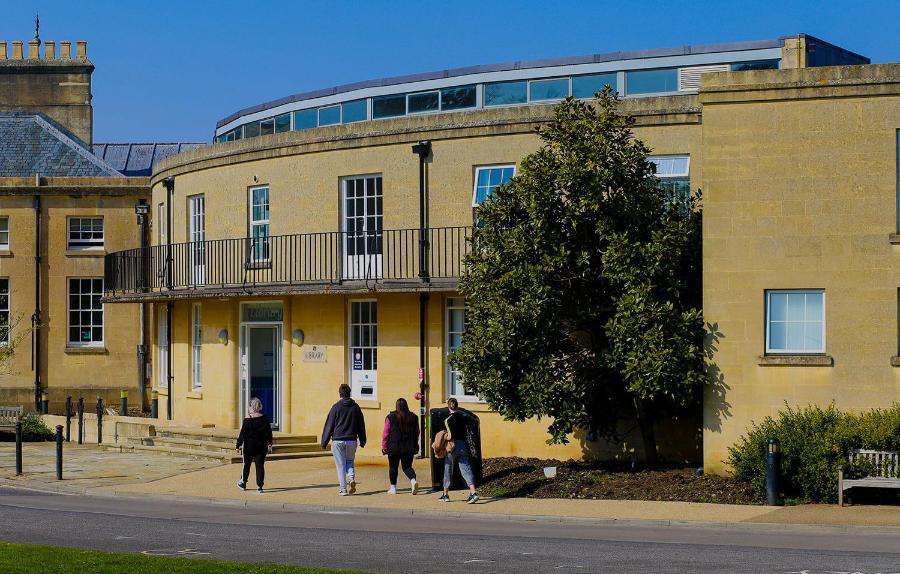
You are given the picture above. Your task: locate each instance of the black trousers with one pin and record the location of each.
(395, 460)
(259, 459)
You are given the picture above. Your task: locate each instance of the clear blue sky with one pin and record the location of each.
(167, 70)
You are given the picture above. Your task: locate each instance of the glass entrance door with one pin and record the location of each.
(261, 369)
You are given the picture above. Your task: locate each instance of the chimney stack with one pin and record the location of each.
(2, 50)
(81, 49)
(65, 50)
(17, 49)
(34, 49)
(49, 50)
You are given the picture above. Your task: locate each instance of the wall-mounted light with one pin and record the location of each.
(223, 336)
(255, 179)
(298, 336)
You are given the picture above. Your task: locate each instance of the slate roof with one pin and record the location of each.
(33, 144)
(138, 159)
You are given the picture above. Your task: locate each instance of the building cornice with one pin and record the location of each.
(800, 84)
(81, 186)
(664, 110)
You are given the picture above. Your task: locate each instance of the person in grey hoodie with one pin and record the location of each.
(345, 428)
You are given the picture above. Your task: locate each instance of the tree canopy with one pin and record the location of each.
(583, 284)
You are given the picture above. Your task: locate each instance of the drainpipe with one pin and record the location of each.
(142, 211)
(169, 183)
(423, 150)
(36, 316)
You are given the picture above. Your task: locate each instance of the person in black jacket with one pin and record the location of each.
(345, 428)
(400, 442)
(255, 441)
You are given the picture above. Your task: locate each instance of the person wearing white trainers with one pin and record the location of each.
(400, 442)
(345, 428)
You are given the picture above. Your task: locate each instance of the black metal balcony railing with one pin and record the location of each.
(311, 258)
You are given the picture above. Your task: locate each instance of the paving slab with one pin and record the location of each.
(87, 466)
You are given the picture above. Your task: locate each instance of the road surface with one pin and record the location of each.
(396, 543)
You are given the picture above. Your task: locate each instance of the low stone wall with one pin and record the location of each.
(116, 429)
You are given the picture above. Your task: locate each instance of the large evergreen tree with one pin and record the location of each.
(583, 284)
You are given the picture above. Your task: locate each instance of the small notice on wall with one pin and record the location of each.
(315, 354)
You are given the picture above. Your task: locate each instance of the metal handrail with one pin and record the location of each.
(309, 258)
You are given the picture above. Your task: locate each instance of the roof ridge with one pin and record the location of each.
(48, 125)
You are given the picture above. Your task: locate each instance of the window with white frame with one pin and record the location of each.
(197, 236)
(455, 326)
(674, 175)
(85, 233)
(364, 349)
(259, 223)
(4, 233)
(162, 347)
(4, 311)
(196, 348)
(795, 321)
(85, 312)
(488, 178)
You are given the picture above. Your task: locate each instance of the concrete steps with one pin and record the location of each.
(215, 445)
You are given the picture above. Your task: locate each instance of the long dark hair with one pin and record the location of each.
(405, 419)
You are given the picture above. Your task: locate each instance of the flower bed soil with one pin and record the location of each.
(515, 477)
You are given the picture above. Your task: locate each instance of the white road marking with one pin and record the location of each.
(476, 560)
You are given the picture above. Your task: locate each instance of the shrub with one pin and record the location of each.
(815, 442)
(33, 430)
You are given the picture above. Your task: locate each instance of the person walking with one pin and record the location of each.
(345, 428)
(254, 442)
(457, 425)
(400, 442)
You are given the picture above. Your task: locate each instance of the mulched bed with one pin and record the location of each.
(516, 477)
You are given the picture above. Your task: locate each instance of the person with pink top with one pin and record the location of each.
(400, 442)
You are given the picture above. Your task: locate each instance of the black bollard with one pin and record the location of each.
(154, 404)
(18, 448)
(68, 418)
(773, 471)
(80, 420)
(99, 420)
(45, 403)
(123, 406)
(59, 452)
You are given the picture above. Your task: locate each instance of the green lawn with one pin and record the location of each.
(27, 559)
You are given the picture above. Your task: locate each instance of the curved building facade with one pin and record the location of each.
(291, 257)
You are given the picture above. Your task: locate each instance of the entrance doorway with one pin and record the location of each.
(261, 369)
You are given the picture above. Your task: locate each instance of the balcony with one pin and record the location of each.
(332, 262)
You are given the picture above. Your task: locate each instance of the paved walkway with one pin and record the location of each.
(313, 483)
(87, 466)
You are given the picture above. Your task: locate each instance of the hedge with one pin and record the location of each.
(815, 442)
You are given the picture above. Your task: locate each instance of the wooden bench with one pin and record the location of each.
(886, 475)
(9, 416)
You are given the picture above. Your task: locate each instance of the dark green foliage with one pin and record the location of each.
(33, 430)
(583, 286)
(815, 442)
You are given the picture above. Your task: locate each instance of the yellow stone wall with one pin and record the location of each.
(66, 371)
(303, 171)
(800, 191)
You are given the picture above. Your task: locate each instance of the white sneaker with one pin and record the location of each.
(415, 486)
(392, 490)
(342, 492)
(352, 489)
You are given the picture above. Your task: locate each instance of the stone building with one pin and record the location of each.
(62, 208)
(319, 241)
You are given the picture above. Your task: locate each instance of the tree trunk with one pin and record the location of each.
(645, 421)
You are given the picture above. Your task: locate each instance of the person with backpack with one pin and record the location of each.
(400, 442)
(346, 429)
(254, 442)
(457, 450)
